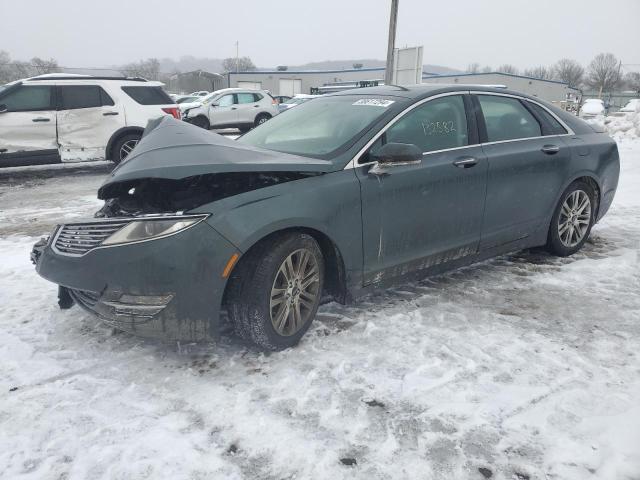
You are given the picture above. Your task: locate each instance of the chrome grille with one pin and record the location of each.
(79, 238)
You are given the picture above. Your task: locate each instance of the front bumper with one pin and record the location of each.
(168, 288)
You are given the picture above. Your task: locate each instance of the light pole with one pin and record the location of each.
(388, 72)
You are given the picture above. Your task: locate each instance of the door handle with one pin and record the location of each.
(256, 106)
(41, 119)
(466, 162)
(234, 108)
(106, 114)
(550, 149)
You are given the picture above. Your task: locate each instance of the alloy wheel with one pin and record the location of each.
(574, 218)
(127, 147)
(295, 292)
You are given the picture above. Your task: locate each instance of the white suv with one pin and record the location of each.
(73, 118)
(232, 108)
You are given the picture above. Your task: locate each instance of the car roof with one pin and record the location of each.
(425, 90)
(75, 79)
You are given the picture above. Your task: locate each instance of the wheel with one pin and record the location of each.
(123, 147)
(572, 221)
(202, 122)
(261, 118)
(276, 290)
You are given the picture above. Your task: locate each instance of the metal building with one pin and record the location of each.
(197, 80)
(290, 83)
(550, 90)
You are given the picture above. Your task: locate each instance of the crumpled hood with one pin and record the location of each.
(173, 149)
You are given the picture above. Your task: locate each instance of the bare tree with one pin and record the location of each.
(632, 80)
(486, 69)
(242, 64)
(357, 66)
(603, 73)
(149, 69)
(507, 68)
(5, 68)
(41, 66)
(11, 70)
(569, 71)
(541, 72)
(473, 68)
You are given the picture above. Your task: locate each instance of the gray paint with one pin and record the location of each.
(416, 220)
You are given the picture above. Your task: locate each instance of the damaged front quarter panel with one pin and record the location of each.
(157, 195)
(160, 178)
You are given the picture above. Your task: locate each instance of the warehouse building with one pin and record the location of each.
(290, 83)
(552, 91)
(188, 82)
(285, 82)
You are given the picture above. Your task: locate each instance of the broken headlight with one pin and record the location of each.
(148, 229)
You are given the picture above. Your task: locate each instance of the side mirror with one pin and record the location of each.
(3, 108)
(394, 154)
(215, 104)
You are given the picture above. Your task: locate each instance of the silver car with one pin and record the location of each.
(232, 108)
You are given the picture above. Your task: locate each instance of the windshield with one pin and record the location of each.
(318, 128)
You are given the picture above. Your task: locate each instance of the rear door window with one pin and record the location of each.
(145, 95)
(550, 126)
(507, 119)
(246, 98)
(82, 96)
(438, 124)
(28, 98)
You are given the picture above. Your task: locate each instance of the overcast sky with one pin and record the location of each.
(90, 33)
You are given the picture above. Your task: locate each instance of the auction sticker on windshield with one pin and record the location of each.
(375, 102)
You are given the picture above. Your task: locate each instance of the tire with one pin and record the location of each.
(261, 277)
(572, 220)
(202, 122)
(261, 118)
(123, 147)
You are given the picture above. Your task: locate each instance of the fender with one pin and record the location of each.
(118, 133)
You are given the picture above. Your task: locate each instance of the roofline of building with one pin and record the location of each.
(309, 72)
(497, 73)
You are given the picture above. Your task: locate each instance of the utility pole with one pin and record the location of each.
(237, 57)
(388, 73)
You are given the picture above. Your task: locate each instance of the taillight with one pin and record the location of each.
(173, 111)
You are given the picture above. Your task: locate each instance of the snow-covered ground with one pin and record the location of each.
(526, 366)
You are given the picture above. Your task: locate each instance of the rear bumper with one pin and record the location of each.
(169, 288)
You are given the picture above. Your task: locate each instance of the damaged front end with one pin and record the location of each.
(149, 196)
(145, 264)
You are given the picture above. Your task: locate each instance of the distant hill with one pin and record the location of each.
(188, 63)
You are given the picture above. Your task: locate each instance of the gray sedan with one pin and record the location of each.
(341, 196)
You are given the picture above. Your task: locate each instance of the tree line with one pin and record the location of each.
(149, 68)
(604, 73)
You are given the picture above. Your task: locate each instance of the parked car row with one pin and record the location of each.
(68, 118)
(596, 107)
